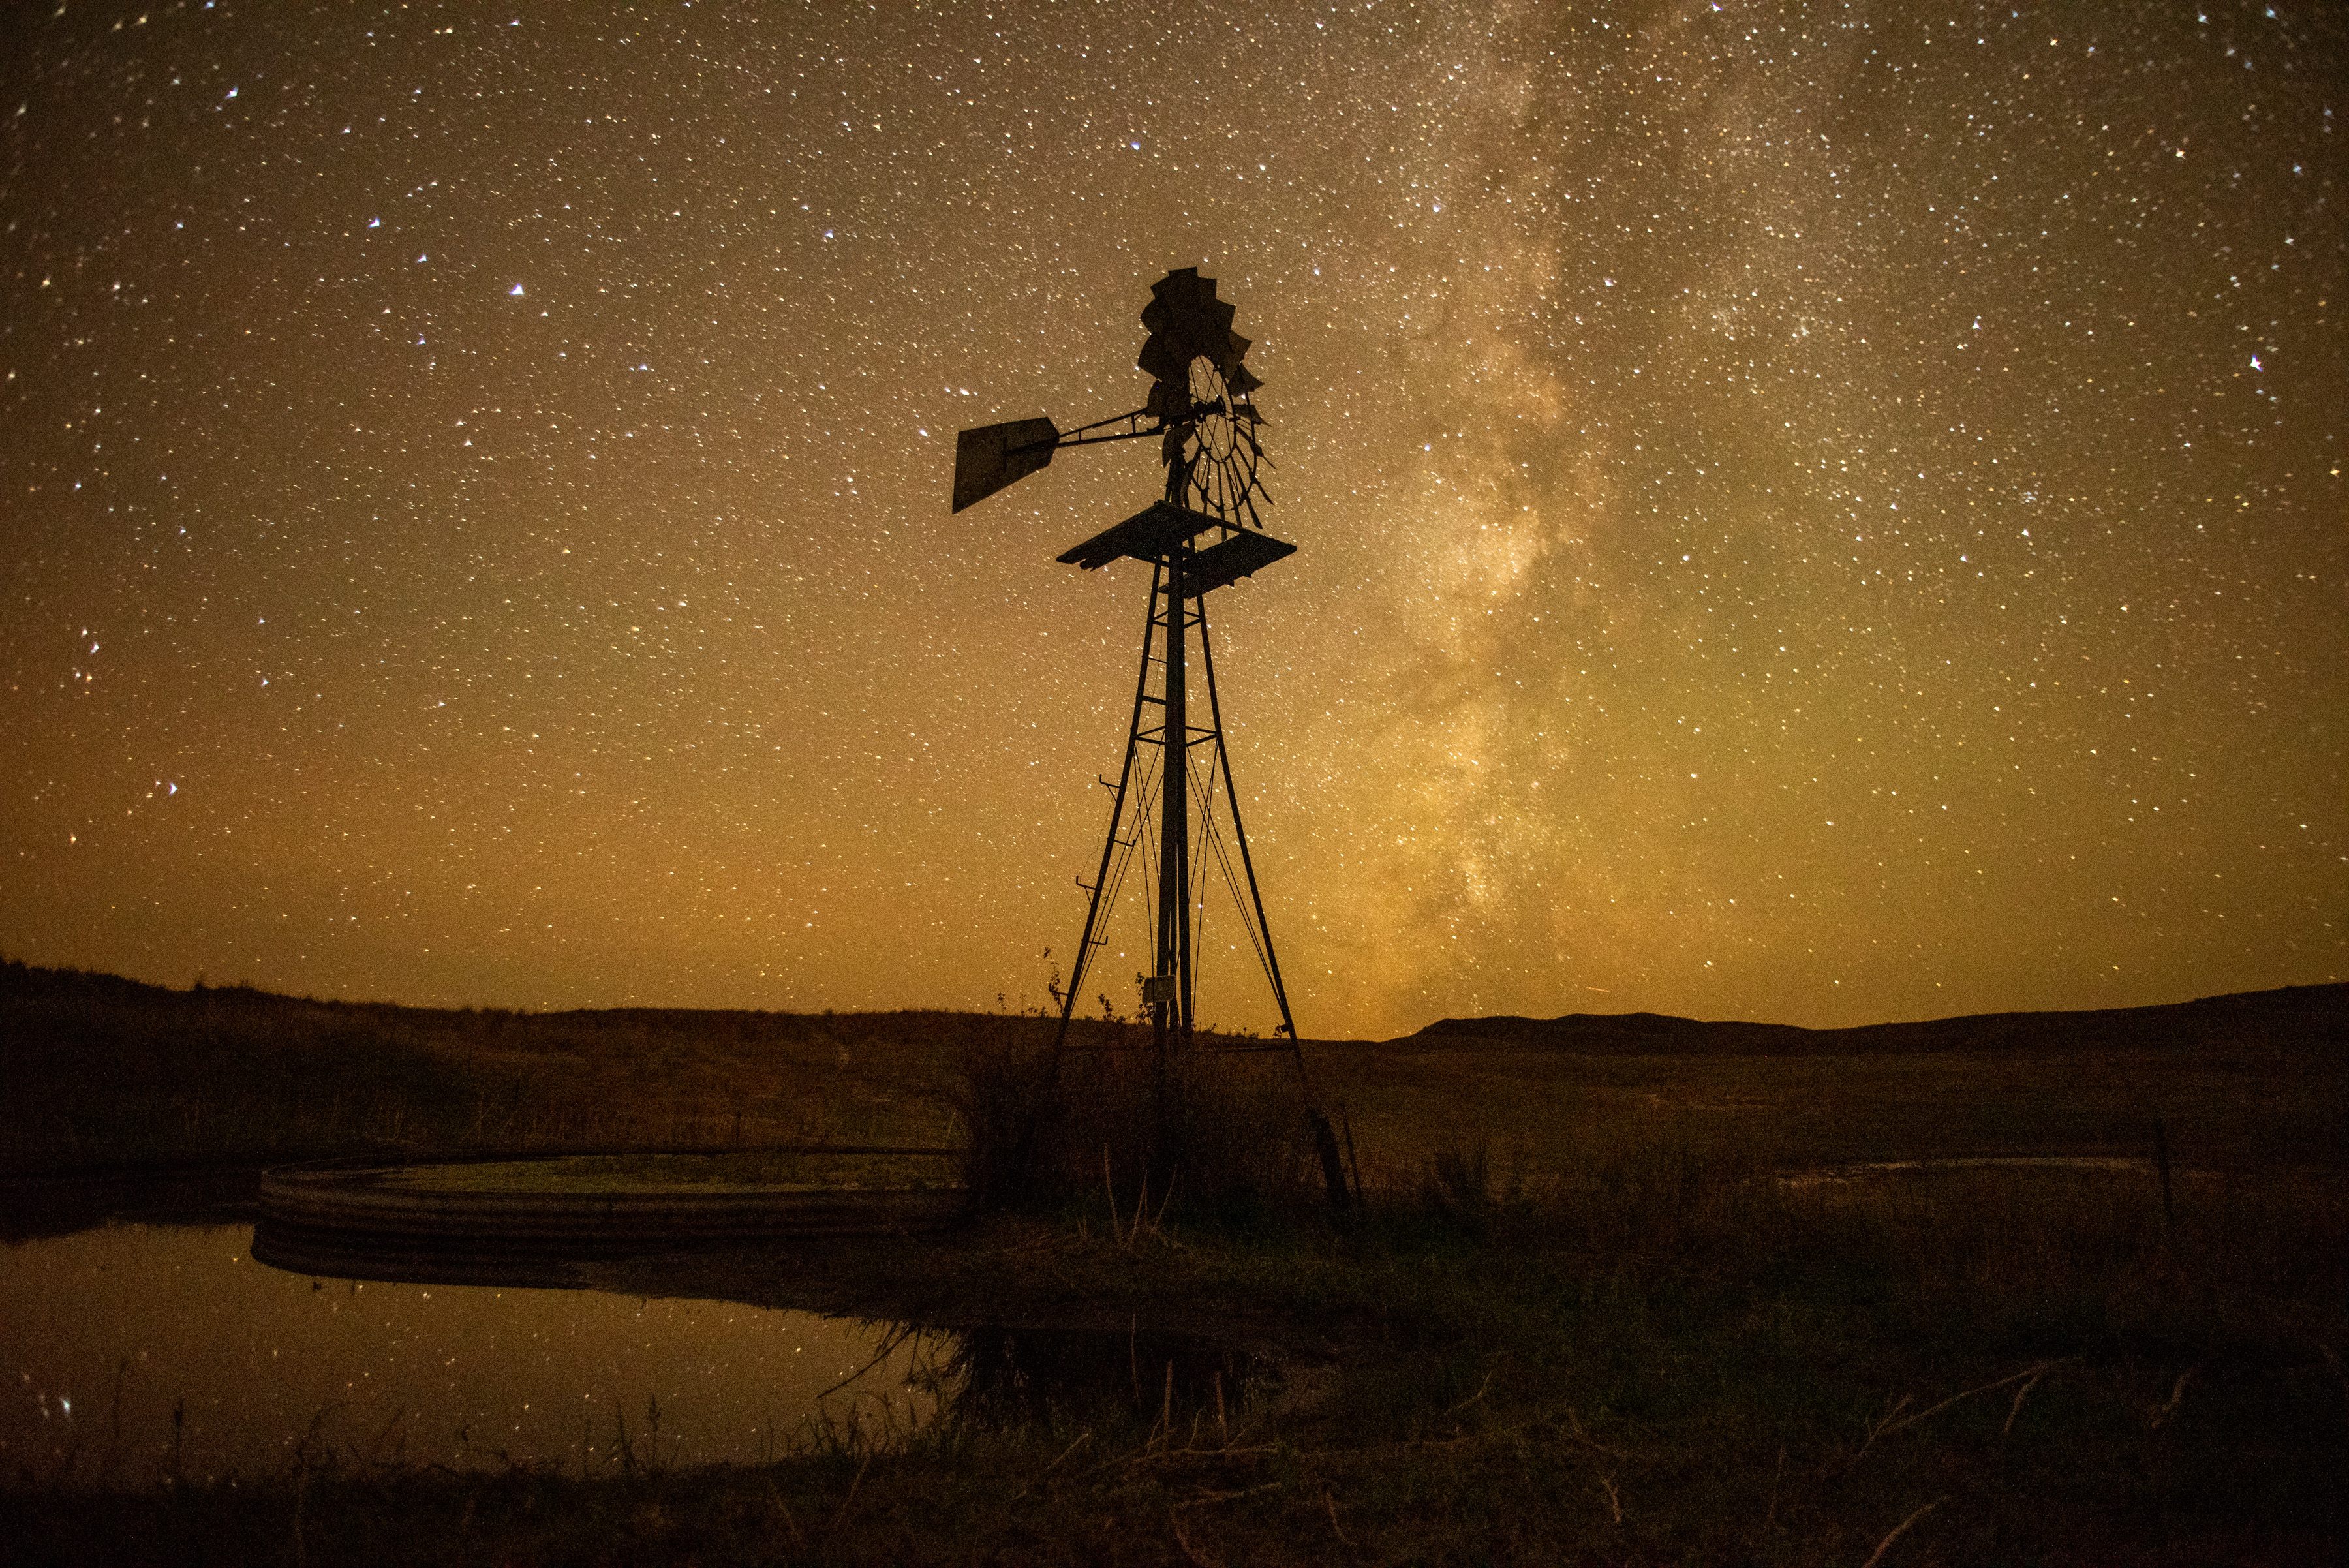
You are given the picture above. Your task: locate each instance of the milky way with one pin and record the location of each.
(1820, 514)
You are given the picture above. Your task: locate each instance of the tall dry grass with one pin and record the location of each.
(2087, 1253)
(1202, 1132)
(104, 1072)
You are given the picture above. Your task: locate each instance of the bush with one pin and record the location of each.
(1209, 1132)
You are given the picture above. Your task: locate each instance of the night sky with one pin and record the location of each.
(1820, 514)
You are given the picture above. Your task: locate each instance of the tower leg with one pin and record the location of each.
(1094, 913)
(1170, 1017)
(1325, 1137)
(1239, 832)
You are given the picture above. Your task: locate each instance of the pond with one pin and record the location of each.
(137, 1353)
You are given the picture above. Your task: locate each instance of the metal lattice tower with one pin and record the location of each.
(1206, 532)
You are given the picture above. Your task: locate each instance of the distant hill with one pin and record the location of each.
(2293, 1017)
(61, 992)
(66, 1007)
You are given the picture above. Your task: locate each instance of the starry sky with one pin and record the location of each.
(1818, 513)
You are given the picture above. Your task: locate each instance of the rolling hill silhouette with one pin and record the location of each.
(2306, 1017)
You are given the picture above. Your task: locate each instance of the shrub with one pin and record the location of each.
(1208, 1131)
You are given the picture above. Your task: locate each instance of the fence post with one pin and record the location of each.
(2161, 1164)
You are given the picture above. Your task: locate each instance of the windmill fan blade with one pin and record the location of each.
(1188, 322)
(1173, 297)
(1204, 330)
(1182, 282)
(1159, 314)
(992, 456)
(1169, 352)
(1164, 358)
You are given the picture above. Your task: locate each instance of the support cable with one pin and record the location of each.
(1198, 864)
(1239, 900)
(1239, 833)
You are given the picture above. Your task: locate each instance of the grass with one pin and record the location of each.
(105, 1072)
(2274, 1100)
(1581, 1317)
(1666, 1360)
(1226, 1133)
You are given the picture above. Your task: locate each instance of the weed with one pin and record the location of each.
(1226, 1132)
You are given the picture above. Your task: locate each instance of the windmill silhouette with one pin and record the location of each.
(1206, 532)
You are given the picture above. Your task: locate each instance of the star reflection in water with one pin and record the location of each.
(138, 1355)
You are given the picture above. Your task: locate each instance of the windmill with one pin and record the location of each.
(1206, 532)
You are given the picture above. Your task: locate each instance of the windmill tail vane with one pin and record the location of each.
(1176, 813)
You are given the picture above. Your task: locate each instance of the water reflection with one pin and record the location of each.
(135, 1353)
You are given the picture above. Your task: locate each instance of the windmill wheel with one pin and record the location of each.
(1219, 455)
(1211, 445)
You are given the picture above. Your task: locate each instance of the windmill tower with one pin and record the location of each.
(1174, 794)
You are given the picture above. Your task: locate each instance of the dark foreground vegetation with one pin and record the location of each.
(1605, 1305)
